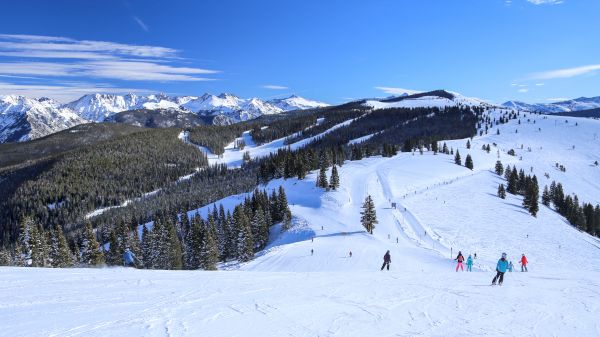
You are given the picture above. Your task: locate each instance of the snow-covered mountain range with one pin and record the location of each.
(577, 104)
(23, 118)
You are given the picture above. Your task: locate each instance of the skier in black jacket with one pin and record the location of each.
(387, 259)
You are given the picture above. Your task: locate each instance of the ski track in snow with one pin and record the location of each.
(287, 291)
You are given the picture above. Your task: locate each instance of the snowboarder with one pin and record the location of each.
(510, 266)
(387, 259)
(128, 258)
(469, 263)
(459, 259)
(501, 267)
(523, 263)
(350, 254)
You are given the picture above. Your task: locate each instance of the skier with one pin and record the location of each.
(387, 259)
(460, 258)
(523, 263)
(128, 258)
(501, 267)
(311, 252)
(475, 256)
(350, 254)
(510, 266)
(469, 263)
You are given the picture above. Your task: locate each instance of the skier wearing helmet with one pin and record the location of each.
(501, 267)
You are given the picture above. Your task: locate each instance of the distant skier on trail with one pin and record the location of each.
(501, 267)
(350, 254)
(387, 259)
(459, 258)
(469, 263)
(510, 266)
(523, 263)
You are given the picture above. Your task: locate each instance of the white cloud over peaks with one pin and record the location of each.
(47, 56)
(566, 72)
(545, 2)
(275, 87)
(397, 91)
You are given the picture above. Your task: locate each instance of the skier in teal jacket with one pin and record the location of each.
(501, 267)
(469, 263)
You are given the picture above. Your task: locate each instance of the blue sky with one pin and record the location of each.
(530, 50)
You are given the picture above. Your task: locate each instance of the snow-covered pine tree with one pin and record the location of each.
(468, 144)
(368, 215)
(24, 249)
(245, 245)
(147, 245)
(91, 254)
(457, 159)
(209, 254)
(469, 162)
(499, 168)
(40, 250)
(258, 225)
(5, 257)
(501, 191)
(174, 247)
(335, 178)
(59, 249)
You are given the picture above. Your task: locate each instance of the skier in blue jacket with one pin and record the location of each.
(501, 268)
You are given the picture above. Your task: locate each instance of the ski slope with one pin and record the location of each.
(440, 208)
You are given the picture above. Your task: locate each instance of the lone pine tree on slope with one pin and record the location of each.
(368, 216)
(335, 178)
(469, 162)
(457, 158)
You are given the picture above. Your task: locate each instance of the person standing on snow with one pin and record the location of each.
(387, 259)
(510, 266)
(350, 254)
(469, 263)
(523, 263)
(460, 258)
(501, 267)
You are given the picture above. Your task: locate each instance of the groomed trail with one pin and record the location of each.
(440, 208)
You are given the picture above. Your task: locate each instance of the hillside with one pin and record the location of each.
(441, 207)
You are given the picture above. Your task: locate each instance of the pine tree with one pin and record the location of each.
(59, 249)
(147, 244)
(91, 254)
(24, 249)
(245, 245)
(174, 247)
(335, 178)
(368, 215)
(499, 168)
(258, 229)
(512, 182)
(468, 144)
(501, 191)
(322, 179)
(531, 196)
(546, 196)
(209, 255)
(469, 162)
(457, 159)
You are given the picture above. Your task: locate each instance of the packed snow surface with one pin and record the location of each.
(306, 284)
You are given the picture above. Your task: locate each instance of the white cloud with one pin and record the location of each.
(565, 73)
(523, 90)
(140, 23)
(63, 92)
(397, 91)
(65, 57)
(545, 2)
(539, 84)
(557, 99)
(274, 87)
